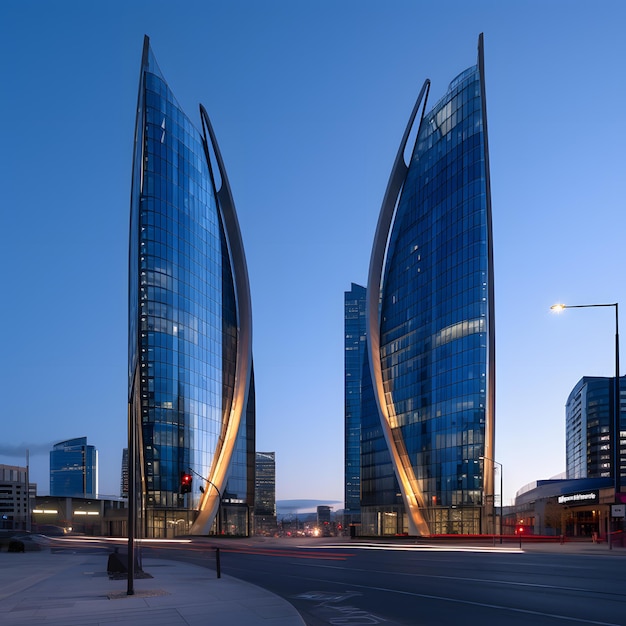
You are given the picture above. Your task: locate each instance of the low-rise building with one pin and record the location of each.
(16, 496)
(87, 516)
(573, 508)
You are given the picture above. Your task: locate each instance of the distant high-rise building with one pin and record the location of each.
(323, 515)
(355, 368)
(74, 469)
(430, 320)
(265, 493)
(265, 484)
(589, 418)
(124, 478)
(191, 383)
(381, 496)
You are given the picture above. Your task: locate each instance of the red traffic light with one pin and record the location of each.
(185, 482)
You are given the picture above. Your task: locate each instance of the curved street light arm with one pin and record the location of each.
(617, 412)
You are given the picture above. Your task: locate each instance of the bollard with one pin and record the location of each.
(218, 567)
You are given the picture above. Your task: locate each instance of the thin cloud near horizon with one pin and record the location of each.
(20, 449)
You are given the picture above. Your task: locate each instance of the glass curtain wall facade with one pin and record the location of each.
(382, 506)
(191, 388)
(372, 493)
(354, 357)
(589, 418)
(74, 469)
(431, 314)
(265, 494)
(265, 499)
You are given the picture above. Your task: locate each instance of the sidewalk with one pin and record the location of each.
(575, 547)
(60, 589)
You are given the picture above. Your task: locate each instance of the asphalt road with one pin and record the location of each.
(413, 585)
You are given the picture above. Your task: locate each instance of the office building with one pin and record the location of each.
(191, 385)
(74, 469)
(430, 319)
(88, 516)
(265, 484)
(265, 493)
(369, 477)
(589, 419)
(323, 515)
(124, 474)
(17, 497)
(382, 505)
(354, 362)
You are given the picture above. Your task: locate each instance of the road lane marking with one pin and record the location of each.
(415, 548)
(324, 556)
(348, 614)
(512, 583)
(472, 603)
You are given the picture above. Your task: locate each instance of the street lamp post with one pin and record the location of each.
(486, 458)
(616, 460)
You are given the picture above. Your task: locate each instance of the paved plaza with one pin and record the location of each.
(61, 589)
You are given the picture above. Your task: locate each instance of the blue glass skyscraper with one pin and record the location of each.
(191, 386)
(354, 359)
(588, 425)
(74, 469)
(370, 482)
(430, 315)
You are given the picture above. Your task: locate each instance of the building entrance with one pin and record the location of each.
(583, 522)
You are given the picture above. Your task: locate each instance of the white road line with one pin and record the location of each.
(480, 604)
(414, 548)
(489, 581)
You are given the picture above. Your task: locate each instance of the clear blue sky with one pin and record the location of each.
(309, 101)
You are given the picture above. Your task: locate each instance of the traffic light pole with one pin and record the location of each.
(185, 482)
(219, 495)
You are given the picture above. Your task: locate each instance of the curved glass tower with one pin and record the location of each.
(191, 396)
(430, 315)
